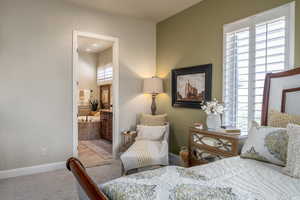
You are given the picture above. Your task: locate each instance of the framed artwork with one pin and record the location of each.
(191, 86)
(105, 96)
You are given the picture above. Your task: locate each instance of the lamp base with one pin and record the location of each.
(153, 104)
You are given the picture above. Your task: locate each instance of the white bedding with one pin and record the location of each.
(252, 179)
(227, 179)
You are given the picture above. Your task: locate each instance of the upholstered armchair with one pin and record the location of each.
(145, 152)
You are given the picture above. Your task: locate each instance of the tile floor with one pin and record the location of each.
(95, 152)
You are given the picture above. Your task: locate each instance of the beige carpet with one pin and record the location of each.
(55, 185)
(95, 153)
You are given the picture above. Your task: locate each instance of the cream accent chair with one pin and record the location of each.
(145, 154)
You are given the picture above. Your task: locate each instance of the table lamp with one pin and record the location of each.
(153, 86)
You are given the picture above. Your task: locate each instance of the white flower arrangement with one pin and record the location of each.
(212, 107)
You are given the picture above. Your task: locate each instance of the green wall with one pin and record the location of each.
(194, 37)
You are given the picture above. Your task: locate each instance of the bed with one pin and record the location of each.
(228, 179)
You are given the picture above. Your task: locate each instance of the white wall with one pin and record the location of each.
(88, 71)
(36, 75)
(105, 57)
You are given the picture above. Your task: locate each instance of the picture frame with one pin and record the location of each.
(191, 86)
(105, 96)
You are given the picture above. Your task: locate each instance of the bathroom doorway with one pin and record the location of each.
(95, 98)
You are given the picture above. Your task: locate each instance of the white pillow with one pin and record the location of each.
(293, 158)
(265, 143)
(154, 133)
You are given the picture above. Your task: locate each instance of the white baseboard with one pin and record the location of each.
(174, 159)
(31, 170)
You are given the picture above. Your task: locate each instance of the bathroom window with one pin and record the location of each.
(105, 73)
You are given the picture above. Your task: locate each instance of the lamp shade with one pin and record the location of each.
(153, 85)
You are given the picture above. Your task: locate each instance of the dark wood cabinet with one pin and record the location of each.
(106, 125)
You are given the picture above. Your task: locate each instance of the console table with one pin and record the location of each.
(207, 146)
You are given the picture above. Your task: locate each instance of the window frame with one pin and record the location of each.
(105, 79)
(287, 11)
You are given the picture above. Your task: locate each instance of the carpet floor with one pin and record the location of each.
(95, 152)
(55, 185)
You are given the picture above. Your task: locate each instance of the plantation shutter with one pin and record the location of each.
(253, 47)
(236, 78)
(270, 46)
(105, 73)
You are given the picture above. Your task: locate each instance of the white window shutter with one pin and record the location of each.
(270, 39)
(253, 47)
(105, 73)
(236, 78)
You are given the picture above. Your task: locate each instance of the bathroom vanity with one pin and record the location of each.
(106, 124)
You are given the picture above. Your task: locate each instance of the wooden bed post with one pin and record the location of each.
(88, 185)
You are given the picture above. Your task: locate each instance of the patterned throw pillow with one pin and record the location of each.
(268, 144)
(278, 119)
(153, 120)
(293, 158)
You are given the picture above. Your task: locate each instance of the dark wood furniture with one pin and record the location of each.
(284, 93)
(105, 95)
(208, 146)
(87, 184)
(94, 193)
(106, 124)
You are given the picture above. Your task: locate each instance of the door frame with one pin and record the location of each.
(115, 88)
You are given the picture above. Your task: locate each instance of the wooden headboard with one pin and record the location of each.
(90, 188)
(286, 97)
(281, 93)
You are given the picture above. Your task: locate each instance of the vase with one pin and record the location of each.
(184, 156)
(213, 121)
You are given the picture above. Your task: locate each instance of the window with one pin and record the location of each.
(105, 73)
(253, 47)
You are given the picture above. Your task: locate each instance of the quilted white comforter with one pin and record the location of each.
(227, 179)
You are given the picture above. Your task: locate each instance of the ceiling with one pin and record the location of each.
(154, 10)
(92, 45)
